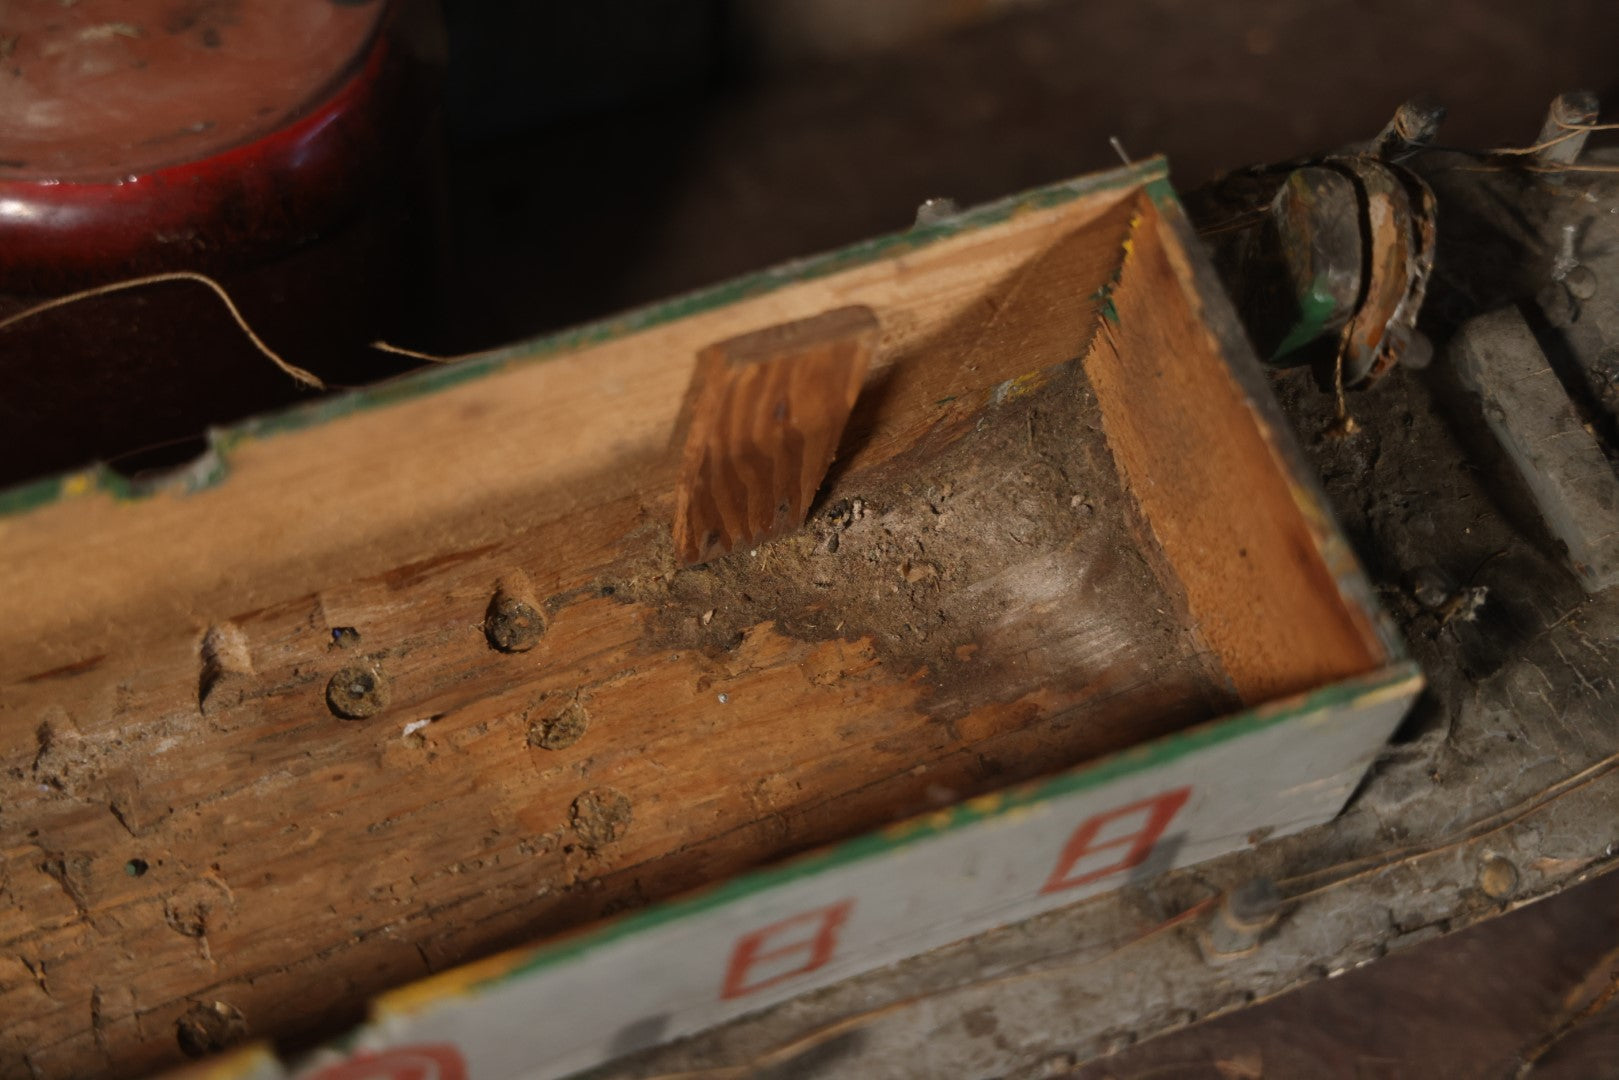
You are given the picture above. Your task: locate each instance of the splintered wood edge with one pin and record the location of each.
(1218, 499)
(760, 427)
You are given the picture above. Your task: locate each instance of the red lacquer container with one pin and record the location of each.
(286, 148)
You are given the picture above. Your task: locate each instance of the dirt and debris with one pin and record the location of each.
(600, 816)
(1007, 559)
(1398, 487)
(558, 730)
(64, 759)
(358, 691)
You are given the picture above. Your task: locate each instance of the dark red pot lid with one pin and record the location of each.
(104, 90)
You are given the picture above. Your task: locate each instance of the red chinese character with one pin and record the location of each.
(439, 1061)
(1137, 845)
(816, 939)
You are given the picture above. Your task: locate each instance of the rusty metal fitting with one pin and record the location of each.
(1241, 921)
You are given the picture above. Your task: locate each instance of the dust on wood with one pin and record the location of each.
(1010, 549)
(600, 816)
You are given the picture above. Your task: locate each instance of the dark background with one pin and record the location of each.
(604, 155)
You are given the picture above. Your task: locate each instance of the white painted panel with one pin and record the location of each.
(680, 968)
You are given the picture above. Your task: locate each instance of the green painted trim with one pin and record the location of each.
(1403, 679)
(1315, 308)
(1159, 189)
(36, 493)
(435, 378)
(207, 470)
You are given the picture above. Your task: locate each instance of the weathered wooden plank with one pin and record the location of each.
(382, 539)
(763, 419)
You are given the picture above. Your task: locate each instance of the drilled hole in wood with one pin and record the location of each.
(207, 1028)
(136, 867)
(560, 730)
(357, 691)
(513, 622)
(600, 816)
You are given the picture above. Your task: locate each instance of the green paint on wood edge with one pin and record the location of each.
(32, 496)
(1315, 308)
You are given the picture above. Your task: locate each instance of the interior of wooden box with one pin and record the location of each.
(1055, 528)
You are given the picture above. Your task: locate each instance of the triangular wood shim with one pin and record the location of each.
(762, 422)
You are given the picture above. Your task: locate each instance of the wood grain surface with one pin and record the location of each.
(766, 411)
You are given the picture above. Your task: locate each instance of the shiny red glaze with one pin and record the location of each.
(227, 210)
(321, 225)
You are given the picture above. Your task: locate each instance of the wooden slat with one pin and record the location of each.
(764, 415)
